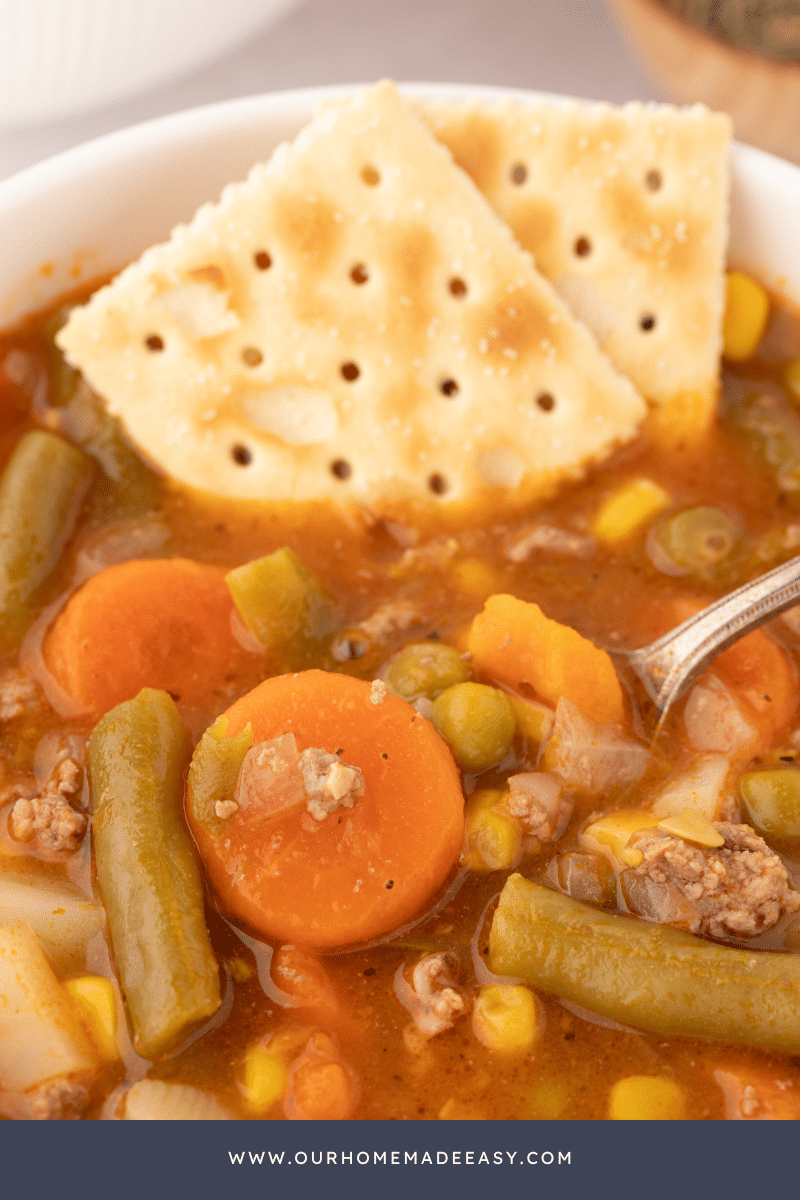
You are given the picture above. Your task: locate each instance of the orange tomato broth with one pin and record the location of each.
(616, 596)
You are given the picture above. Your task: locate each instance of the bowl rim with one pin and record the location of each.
(752, 170)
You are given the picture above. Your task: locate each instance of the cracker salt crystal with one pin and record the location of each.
(352, 323)
(625, 210)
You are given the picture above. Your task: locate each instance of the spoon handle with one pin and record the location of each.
(669, 665)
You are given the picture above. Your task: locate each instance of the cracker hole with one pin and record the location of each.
(653, 180)
(370, 175)
(341, 468)
(449, 387)
(438, 484)
(350, 371)
(241, 455)
(457, 287)
(647, 322)
(262, 260)
(359, 273)
(582, 247)
(154, 342)
(546, 401)
(519, 173)
(252, 356)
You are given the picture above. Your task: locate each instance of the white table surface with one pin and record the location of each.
(569, 46)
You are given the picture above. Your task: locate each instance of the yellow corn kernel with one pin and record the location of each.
(792, 377)
(746, 312)
(611, 834)
(506, 1017)
(97, 1005)
(475, 577)
(494, 838)
(264, 1079)
(534, 721)
(647, 1098)
(628, 509)
(692, 826)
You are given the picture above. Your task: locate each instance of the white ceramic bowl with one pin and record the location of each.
(93, 209)
(60, 56)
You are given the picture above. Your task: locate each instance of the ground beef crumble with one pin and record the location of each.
(49, 819)
(19, 695)
(738, 890)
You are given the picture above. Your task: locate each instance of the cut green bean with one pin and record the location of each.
(284, 607)
(147, 871)
(645, 975)
(214, 770)
(41, 491)
(698, 541)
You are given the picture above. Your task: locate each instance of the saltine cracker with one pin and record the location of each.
(352, 323)
(625, 211)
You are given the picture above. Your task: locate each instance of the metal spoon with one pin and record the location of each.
(668, 666)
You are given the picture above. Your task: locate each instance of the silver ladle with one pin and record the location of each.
(668, 666)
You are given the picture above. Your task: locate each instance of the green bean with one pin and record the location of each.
(697, 541)
(425, 668)
(645, 975)
(771, 800)
(147, 872)
(284, 607)
(41, 491)
(477, 722)
(214, 770)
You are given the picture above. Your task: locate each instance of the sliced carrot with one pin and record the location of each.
(516, 644)
(761, 672)
(157, 623)
(361, 872)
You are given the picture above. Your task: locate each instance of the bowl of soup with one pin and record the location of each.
(320, 810)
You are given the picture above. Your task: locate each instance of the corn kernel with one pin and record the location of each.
(792, 377)
(746, 312)
(534, 721)
(506, 1017)
(628, 509)
(97, 1005)
(475, 577)
(611, 834)
(692, 826)
(264, 1078)
(647, 1098)
(494, 839)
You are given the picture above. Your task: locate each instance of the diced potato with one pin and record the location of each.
(62, 917)
(97, 1005)
(702, 788)
(154, 1100)
(647, 1098)
(264, 1080)
(515, 643)
(506, 1018)
(41, 1036)
(611, 834)
(746, 313)
(635, 503)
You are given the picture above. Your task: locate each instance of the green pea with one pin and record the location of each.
(425, 668)
(477, 722)
(696, 541)
(771, 801)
